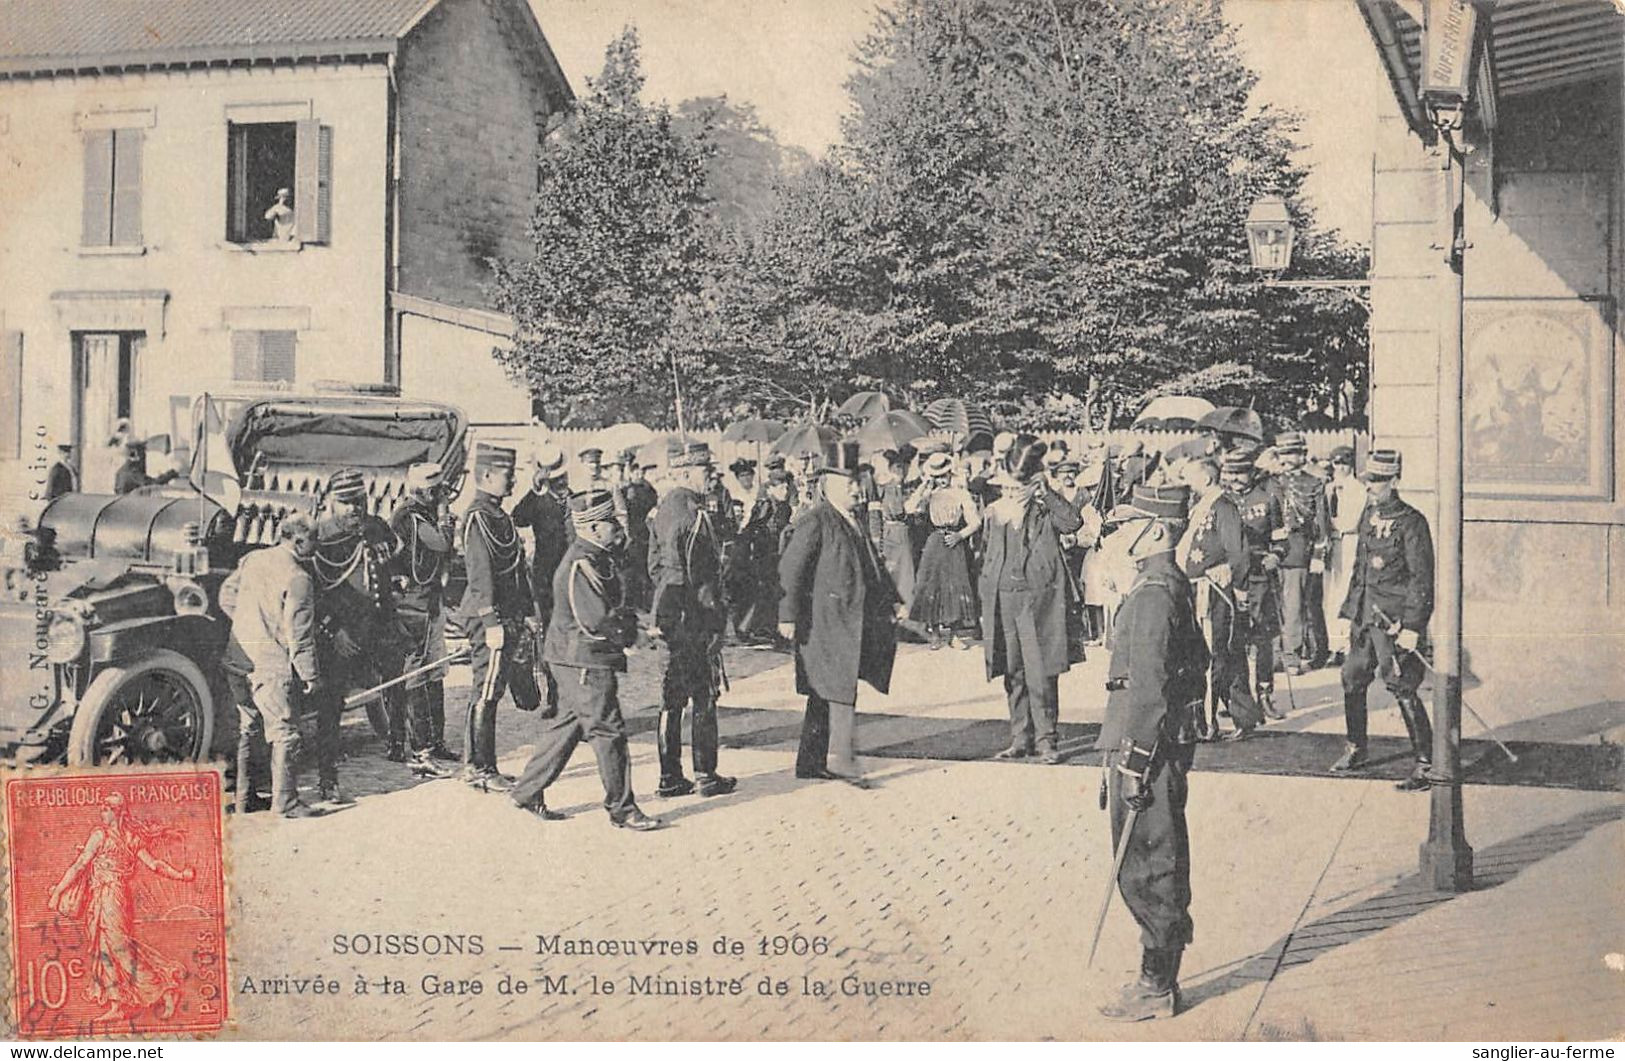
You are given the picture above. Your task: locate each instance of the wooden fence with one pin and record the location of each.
(525, 438)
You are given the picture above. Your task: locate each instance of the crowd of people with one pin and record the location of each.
(1206, 569)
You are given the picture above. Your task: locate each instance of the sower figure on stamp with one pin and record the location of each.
(839, 610)
(271, 599)
(690, 616)
(1156, 685)
(361, 640)
(1027, 601)
(588, 634)
(1389, 603)
(1257, 597)
(1211, 553)
(425, 532)
(498, 616)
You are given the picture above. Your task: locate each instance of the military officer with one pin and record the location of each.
(426, 534)
(588, 635)
(1211, 553)
(498, 615)
(638, 500)
(1389, 603)
(1302, 497)
(361, 638)
(690, 615)
(545, 511)
(1156, 685)
(1255, 592)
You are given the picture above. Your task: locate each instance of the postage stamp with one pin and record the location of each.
(116, 903)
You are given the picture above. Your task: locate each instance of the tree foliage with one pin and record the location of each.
(1037, 204)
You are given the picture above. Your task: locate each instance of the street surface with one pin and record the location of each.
(980, 879)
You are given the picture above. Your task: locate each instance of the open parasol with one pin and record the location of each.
(807, 439)
(959, 417)
(864, 404)
(755, 429)
(892, 429)
(1174, 411)
(1234, 420)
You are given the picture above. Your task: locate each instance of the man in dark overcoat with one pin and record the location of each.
(839, 610)
(1024, 593)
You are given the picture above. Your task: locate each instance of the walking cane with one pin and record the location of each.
(1489, 730)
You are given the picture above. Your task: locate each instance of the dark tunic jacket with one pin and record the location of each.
(1393, 568)
(590, 626)
(498, 585)
(838, 594)
(1159, 661)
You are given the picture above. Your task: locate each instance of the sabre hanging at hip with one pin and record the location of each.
(367, 694)
(1489, 730)
(1111, 884)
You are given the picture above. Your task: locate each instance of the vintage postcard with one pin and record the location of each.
(798, 520)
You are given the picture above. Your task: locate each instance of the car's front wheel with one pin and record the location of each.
(156, 709)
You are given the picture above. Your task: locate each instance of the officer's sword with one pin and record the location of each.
(1111, 884)
(1489, 730)
(368, 694)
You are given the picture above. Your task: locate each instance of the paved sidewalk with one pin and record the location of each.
(981, 878)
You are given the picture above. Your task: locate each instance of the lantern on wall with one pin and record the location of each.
(1269, 234)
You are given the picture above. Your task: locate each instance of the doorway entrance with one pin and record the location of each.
(105, 371)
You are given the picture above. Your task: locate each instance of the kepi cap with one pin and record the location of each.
(425, 476)
(591, 506)
(1383, 464)
(1153, 502)
(347, 484)
(488, 457)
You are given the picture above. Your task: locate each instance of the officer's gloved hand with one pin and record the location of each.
(1137, 792)
(1317, 566)
(1408, 640)
(495, 637)
(1272, 562)
(346, 645)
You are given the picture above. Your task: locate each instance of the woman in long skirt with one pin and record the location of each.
(896, 544)
(944, 593)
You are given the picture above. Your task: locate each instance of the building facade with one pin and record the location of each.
(1544, 222)
(262, 193)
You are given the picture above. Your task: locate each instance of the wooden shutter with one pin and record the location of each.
(126, 229)
(313, 178)
(245, 355)
(276, 356)
(236, 183)
(11, 395)
(97, 226)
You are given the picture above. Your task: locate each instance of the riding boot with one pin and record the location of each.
(1156, 992)
(1421, 734)
(245, 775)
(669, 739)
(284, 785)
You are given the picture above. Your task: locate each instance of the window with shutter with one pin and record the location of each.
(97, 227)
(11, 395)
(126, 194)
(313, 190)
(262, 159)
(263, 356)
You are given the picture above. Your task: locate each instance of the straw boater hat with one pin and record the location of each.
(938, 464)
(550, 460)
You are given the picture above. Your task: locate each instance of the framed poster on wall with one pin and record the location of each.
(1537, 414)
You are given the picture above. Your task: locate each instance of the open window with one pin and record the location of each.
(279, 182)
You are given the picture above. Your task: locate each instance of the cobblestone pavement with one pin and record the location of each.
(979, 879)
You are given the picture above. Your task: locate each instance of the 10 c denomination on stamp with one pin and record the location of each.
(116, 904)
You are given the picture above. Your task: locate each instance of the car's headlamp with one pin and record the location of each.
(64, 638)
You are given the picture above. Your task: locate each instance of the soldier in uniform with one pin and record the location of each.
(271, 599)
(589, 632)
(1255, 590)
(690, 615)
(426, 534)
(638, 499)
(1389, 603)
(544, 509)
(361, 639)
(1302, 498)
(1156, 685)
(1212, 553)
(498, 615)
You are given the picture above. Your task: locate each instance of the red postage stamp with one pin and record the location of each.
(116, 904)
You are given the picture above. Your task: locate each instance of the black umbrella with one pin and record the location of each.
(1234, 420)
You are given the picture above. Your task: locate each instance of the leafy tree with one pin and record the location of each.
(746, 161)
(622, 239)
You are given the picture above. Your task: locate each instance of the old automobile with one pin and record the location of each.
(116, 598)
